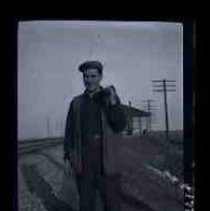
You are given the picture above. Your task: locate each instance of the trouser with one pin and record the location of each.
(109, 189)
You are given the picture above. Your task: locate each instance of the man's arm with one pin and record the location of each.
(68, 138)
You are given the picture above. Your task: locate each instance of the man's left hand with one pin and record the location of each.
(113, 98)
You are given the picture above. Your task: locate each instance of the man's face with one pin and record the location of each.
(91, 78)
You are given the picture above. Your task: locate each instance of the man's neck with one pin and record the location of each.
(91, 93)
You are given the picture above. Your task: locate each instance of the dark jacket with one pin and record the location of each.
(113, 122)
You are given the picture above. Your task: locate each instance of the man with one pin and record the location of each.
(92, 140)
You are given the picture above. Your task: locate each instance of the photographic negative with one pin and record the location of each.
(100, 116)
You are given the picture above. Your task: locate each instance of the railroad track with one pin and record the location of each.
(30, 146)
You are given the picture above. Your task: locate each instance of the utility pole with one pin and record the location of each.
(153, 115)
(48, 127)
(149, 108)
(94, 43)
(166, 107)
(140, 127)
(162, 86)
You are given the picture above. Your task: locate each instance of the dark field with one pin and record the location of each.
(171, 152)
(43, 186)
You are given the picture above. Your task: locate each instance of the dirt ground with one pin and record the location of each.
(44, 187)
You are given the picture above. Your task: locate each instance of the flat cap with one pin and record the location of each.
(91, 64)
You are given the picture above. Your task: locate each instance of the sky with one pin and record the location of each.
(132, 53)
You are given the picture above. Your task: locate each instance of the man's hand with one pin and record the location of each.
(111, 99)
(69, 171)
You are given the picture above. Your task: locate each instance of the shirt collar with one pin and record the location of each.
(87, 94)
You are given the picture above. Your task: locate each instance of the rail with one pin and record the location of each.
(30, 146)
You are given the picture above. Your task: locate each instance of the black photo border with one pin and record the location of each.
(10, 95)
